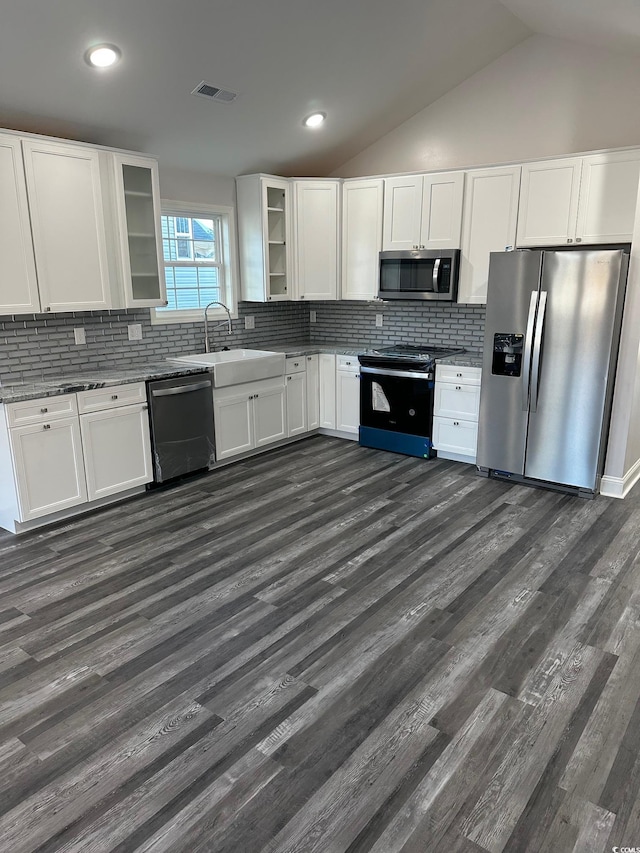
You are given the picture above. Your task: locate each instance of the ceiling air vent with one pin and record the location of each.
(213, 93)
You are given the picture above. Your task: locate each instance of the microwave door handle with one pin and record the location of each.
(537, 351)
(526, 356)
(436, 274)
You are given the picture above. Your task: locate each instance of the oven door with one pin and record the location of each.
(397, 400)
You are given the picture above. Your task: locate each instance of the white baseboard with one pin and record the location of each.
(619, 487)
(338, 433)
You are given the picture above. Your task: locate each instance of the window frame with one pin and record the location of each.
(228, 250)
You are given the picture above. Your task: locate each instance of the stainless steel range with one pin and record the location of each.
(396, 397)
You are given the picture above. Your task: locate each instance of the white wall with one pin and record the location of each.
(198, 187)
(546, 96)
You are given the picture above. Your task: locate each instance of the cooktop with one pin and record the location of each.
(420, 357)
(419, 352)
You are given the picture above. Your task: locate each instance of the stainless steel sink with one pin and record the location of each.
(234, 366)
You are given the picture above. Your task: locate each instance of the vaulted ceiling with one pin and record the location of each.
(369, 64)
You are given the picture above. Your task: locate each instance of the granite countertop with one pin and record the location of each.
(464, 359)
(306, 348)
(70, 383)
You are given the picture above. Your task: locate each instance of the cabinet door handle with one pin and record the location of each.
(114, 396)
(288, 379)
(43, 411)
(459, 375)
(456, 423)
(458, 388)
(47, 426)
(308, 358)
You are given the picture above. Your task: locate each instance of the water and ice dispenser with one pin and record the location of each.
(507, 354)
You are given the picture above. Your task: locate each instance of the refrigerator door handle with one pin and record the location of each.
(537, 351)
(526, 356)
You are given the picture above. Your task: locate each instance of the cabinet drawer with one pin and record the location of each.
(99, 399)
(348, 363)
(458, 375)
(457, 401)
(454, 436)
(42, 409)
(295, 364)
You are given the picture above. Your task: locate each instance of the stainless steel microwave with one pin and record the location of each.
(419, 274)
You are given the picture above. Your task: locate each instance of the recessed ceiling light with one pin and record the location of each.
(102, 55)
(314, 120)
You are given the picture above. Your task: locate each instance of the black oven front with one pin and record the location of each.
(396, 409)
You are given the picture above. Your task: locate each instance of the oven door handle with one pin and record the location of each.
(386, 371)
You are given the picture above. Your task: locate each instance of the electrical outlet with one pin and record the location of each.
(250, 322)
(79, 336)
(312, 316)
(135, 331)
(379, 320)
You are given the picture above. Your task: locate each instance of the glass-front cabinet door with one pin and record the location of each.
(138, 211)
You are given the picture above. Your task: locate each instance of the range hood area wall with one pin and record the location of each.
(407, 322)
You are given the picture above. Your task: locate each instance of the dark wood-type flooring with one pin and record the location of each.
(324, 649)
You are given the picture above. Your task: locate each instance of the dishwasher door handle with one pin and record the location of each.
(181, 389)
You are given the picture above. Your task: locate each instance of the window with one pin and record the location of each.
(197, 252)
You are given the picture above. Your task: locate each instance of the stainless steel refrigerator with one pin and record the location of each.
(550, 351)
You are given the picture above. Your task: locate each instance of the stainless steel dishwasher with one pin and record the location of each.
(181, 416)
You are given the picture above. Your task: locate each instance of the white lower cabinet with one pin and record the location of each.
(327, 390)
(233, 418)
(117, 450)
(347, 394)
(269, 414)
(59, 452)
(455, 412)
(455, 439)
(49, 467)
(296, 383)
(248, 416)
(339, 393)
(313, 391)
(296, 403)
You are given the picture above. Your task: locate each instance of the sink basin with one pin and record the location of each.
(234, 366)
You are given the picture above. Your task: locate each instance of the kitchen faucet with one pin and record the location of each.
(206, 326)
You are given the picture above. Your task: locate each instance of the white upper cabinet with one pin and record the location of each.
(489, 225)
(18, 284)
(317, 240)
(549, 202)
(361, 237)
(588, 199)
(442, 210)
(402, 213)
(423, 211)
(608, 195)
(264, 238)
(68, 227)
(136, 203)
